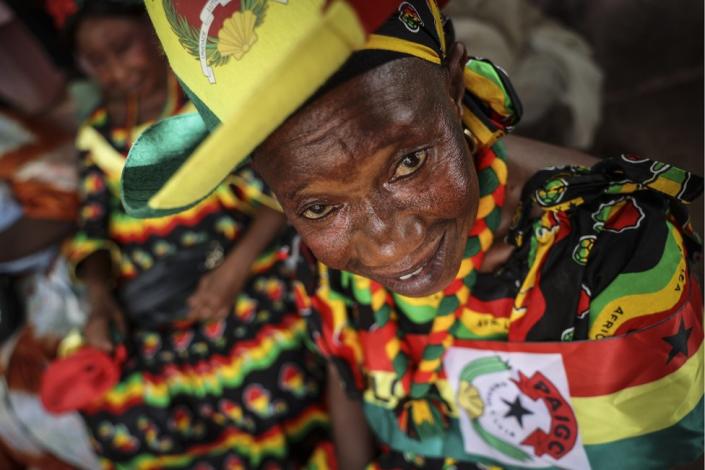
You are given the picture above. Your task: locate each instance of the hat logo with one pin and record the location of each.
(235, 23)
(410, 17)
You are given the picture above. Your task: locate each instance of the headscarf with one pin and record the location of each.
(417, 29)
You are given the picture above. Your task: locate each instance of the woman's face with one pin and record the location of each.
(121, 54)
(377, 177)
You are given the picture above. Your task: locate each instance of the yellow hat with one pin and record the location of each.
(246, 65)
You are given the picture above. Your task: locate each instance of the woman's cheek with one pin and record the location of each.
(452, 188)
(329, 242)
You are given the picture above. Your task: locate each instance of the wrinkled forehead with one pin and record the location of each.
(355, 118)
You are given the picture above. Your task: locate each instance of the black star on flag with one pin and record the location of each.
(679, 341)
(517, 410)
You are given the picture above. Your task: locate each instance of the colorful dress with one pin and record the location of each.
(243, 392)
(584, 350)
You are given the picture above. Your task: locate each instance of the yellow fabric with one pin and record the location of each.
(388, 43)
(104, 155)
(484, 324)
(482, 134)
(255, 94)
(438, 23)
(643, 408)
(634, 306)
(262, 198)
(666, 186)
(489, 90)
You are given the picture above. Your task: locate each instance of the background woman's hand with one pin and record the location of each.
(96, 273)
(217, 290)
(105, 314)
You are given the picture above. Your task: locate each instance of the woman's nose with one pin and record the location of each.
(385, 238)
(114, 73)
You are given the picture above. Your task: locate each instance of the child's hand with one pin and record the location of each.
(217, 290)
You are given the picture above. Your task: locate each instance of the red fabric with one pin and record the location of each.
(76, 381)
(61, 10)
(646, 349)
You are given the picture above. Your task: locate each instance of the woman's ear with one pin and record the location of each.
(455, 62)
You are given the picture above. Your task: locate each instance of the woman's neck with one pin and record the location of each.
(524, 158)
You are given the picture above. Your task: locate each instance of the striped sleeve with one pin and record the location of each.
(94, 214)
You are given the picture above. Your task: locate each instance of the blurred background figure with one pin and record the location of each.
(38, 303)
(188, 262)
(648, 52)
(38, 209)
(551, 67)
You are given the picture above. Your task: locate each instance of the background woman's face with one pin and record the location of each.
(121, 54)
(377, 178)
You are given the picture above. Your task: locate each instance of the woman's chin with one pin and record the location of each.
(432, 279)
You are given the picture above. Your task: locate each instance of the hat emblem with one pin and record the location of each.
(218, 30)
(410, 17)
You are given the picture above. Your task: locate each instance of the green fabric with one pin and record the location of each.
(638, 453)
(209, 118)
(445, 445)
(685, 441)
(639, 283)
(154, 158)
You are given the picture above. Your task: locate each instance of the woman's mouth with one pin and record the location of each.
(422, 277)
(410, 275)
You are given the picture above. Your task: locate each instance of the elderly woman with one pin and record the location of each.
(483, 310)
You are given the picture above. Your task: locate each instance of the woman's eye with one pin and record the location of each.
(410, 163)
(317, 211)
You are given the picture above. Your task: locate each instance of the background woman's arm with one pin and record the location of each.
(353, 440)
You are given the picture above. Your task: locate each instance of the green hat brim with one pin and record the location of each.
(154, 158)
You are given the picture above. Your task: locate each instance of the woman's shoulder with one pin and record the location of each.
(549, 178)
(570, 186)
(530, 156)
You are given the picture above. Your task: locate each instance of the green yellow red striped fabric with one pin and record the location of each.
(617, 407)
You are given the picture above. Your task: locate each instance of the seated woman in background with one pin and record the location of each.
(484, 302)
(215, 373)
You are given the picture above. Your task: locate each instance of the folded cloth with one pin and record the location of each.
(74, 382)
